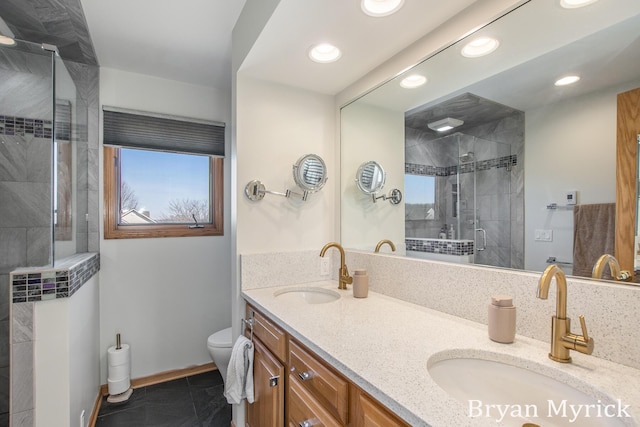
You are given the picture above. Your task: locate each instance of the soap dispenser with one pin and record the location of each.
(502, 319)
(452, 233)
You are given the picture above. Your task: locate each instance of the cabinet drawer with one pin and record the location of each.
(370, 413)
(271, 336)
(304, 410)
(331, 390)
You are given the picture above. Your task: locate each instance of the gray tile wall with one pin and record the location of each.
(25, 159)
(499, 186)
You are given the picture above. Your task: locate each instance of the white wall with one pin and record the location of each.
(164, 295)
(276, 125)
(66, 357)
(569, 145)
(373, 134)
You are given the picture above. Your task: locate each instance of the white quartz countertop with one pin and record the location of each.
(384, 346)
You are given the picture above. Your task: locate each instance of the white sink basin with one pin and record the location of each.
(309, 295)
(523, 395)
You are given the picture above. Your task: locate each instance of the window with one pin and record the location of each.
(163, 177)
(420, 197)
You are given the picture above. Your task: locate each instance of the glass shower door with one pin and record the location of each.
(492, 164)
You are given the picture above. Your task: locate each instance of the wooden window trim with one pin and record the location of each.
(112, 230)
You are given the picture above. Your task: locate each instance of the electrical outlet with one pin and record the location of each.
(325, 266)
(82, 424)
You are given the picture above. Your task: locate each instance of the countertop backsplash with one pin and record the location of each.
(465, 291)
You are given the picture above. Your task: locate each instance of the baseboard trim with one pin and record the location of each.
(158, 378)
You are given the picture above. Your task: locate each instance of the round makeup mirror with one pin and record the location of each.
(370, 177)
(310, 173)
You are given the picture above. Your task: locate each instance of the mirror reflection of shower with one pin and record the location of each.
(461, 210)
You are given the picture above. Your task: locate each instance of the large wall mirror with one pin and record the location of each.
(520, 150)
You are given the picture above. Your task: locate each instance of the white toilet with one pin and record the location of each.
(220, 347)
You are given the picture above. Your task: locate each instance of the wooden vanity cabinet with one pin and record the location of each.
(312, 392)
(326, 387)
(269, 342)
(268, 387)
(369, 413)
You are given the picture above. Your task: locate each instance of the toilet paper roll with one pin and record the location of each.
(118, 372)
(119, 386)
(118, 369)
(119, 356)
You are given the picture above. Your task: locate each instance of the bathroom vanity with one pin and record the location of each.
(293, 383)
(351, 362)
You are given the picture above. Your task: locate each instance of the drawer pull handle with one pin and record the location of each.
(304, 376)
(273, 381)
(307, 423)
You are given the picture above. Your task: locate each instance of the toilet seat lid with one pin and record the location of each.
(220, 339)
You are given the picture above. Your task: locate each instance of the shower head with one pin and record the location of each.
(467, 157)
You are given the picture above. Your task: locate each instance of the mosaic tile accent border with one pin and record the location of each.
(41, 284)
(10, 125)
(497, 163)
(440, 246)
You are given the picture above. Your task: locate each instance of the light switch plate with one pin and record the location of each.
(543, 235)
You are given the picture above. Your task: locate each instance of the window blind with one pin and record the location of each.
(136, 129)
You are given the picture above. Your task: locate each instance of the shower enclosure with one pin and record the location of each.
(43, 172)
(459, 187)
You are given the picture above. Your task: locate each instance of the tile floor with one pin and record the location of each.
(195, 401)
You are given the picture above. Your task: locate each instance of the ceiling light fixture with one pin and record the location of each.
(378, 8)
(480, 47)
(324, 53)
(7, 41)
(413, 81)
(445, 124)
(567, 80)
(573, 4)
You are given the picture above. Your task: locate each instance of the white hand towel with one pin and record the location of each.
(239, 382)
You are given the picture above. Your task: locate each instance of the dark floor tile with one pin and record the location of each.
(206, 379)
(134, 417)
(182, 414)
(136, 400)
(209, 402)
(195, 401)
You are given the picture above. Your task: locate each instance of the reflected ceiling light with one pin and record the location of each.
(445, 124)
(378, 8)
(480, 47)
(7, 41)
(572, 4)
(413, 81)
(567, 80)
(324, 53)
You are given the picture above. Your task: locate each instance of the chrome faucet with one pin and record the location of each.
(614, 267)
(343, 273)
(562, 340)
(388, 242)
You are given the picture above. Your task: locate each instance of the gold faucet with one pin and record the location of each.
(343, 273)
(562, 340)
(387, 241)
(614, 267)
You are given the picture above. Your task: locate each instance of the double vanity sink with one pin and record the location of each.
(435, 369)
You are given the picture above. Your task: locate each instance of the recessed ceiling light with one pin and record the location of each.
(567, 80)
(380, 8)
(324, 53)
(445, 124)
(413, 81)
(7, 41)
(572, 4)
(480, 47)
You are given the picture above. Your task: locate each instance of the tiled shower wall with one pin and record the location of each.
(25, 158)
(504, 249)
